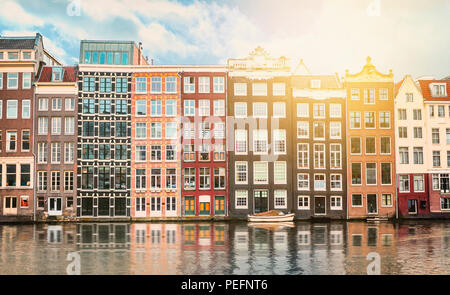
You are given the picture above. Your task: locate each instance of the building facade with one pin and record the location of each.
(55, 142)
(411, 146)
(104, 128)
(21, 59)
(259, 134)
(320, 170)
(371, 148)
(155, 153)
(204, 137)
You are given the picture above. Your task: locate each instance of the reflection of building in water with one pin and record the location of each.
(362, 239)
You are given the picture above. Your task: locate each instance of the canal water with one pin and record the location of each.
(418, 247)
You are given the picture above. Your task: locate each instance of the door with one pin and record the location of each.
(171, 206)
(261, 201)
(412, 206)
(219, 205)
(10, 206)
(155, 206)
(140, 207)
(372, 207)
(55, 206)
(189, 205)
(320, 206)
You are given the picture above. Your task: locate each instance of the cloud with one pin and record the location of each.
(12, 12)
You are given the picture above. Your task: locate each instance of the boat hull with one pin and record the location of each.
(280, 218)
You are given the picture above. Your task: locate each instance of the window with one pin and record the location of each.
(219, 107)
(120, 178)
(303, 181)
(88, 106)
(418, 155)
(404, 155)
(219, 152)
(240, 89)
(260, 172)
(260, 143)
(319, 182)
(104, 177)
(417, 132)
(141, 182)
(155, 153)
(189, 178)
(171, 178)
(335, 110)
(42, 181)
(25, 140)
(402, 114)
(141, 130)
(259, 89)
(355, 145)
(383, 95)
(43, 103)
(260, 110)
(121, 129)
(88, 84)
(357, 200)
(155, 108)
(438, 89)
(315, 84)
(386, 173)
(319, 156)
(171, 130)
(11, 109)
(219, 84)
(241, 199)
(431, 111)
(441, 111)
(355, 94)
(303, 202)
(302, 156)
(1, 74)
(56, 125)
(371, 173)
(171, 152)
(11, 141)
(141, 107)
(88, 152)
(189, 84)
(121, 85)
(204, 131)
(141, 151)
(104, 151)
(88, 128)
(121, 151)
(319, 110)
(279, 89)
(370, 146)
(419, 183)
(417, 114)
(25, 175)
(386, 200)
(171, 108)
(204, 152)
(335, 203)
(336, 182)
(105, 106)
(385, 120)
(335, 156)
(302, 129)
(279, 141)
(219, 130)
(447, 134)
(369, 96)
(155, 85)
(385, 145)
(141, 85)
(219, 178)
(402, 132)
(241, 171)
(155, 130)
(203, 107)
(203, 85)
(26, 112)
(335, 130)
(302, 110)
(448, 158)
(155, 178)
(369, 120)
(68, 152)
(445, 203)
(189, 107)
(240, 110)
(69, 125)
(105, 85)
(319, 130)
(56, 181)
(13, 80)
(356, 174)
(436, 158)
(280, 199)
(435, 135)
(42, 152)
(280, 172)
(188, 152)
(189, 130)
(355, 120)
(240, 142)
(11, 175)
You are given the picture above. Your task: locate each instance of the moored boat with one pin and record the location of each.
(271, 216)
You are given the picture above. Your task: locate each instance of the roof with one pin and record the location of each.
(397, 86)
(19, 42)
(326, 81)
(70, 74)
(426, 91)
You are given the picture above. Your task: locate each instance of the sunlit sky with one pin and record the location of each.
(408, 36)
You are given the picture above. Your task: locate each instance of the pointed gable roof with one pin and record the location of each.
(369, 72)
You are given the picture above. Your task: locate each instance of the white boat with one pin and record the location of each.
(279, 218)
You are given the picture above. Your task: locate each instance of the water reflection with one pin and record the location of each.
(226, 248)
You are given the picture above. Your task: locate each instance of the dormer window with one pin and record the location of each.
(438, 90)
(13, 55)
(1, 55)
(57, 74)
(26, 55)
(315, 83)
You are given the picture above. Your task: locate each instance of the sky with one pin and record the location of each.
(407, 36)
